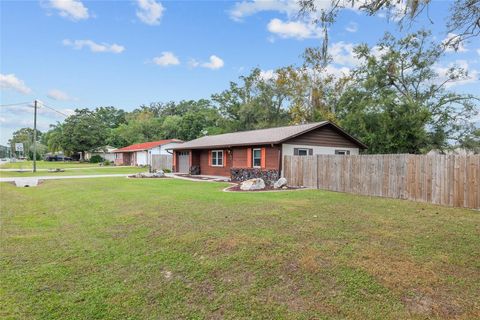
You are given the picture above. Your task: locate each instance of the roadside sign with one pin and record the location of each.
(19, 147)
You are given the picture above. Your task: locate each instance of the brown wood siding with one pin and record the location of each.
(326, 136)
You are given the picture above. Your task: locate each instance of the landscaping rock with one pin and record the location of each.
(253, 184)
(282, 182)
(159, 174)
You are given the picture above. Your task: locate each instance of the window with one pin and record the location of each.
(302, 152)
(342, 152)
(257, 158)
(217, 158)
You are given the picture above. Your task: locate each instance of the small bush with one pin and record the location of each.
(96, 159)
(167, 170)
(106, 163)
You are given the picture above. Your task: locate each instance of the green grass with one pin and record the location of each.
(47, 164)
(74, 172)
(171, 249)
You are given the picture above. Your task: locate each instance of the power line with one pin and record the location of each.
(51, 108)
(15, 104)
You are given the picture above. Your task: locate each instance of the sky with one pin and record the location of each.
(85, 54)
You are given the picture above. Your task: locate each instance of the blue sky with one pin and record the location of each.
(73, 54)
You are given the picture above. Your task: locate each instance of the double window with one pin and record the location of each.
(257, 158)
(217, 158)
(342, 152)
(302, 152)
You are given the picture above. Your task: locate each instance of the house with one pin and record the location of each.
(105, 152)
(262, 149)
(140, 154)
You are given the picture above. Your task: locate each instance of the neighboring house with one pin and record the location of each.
(263, 149)
(140, 154)
(104, 152)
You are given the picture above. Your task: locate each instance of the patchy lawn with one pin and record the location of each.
(160, 249)
(75, 172)
(46, 164)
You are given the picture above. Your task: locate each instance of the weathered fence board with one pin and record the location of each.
(162, 161)
(440, 179)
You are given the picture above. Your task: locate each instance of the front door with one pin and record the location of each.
(183, 161)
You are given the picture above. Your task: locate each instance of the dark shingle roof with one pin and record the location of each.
(255, 137)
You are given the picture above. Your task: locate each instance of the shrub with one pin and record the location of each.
(106, 163)
(167, 170)
(96, 159)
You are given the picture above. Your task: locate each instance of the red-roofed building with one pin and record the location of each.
(141, 153)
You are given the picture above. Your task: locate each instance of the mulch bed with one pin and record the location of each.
(135, 177)
(201, 178)
(236, 188)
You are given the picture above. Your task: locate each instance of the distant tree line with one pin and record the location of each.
(394, 100)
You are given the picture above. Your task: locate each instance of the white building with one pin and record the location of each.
(140, 154)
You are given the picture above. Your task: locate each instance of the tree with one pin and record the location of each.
(256, 102)
(397, 103)
(463, 21)
(140, 127)
(25, 136)
(471, 142)
(82, 132)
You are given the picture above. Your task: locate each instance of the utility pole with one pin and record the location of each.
(35, 136)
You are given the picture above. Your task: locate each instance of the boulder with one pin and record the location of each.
(253, 184)
(159, 174)
(282, 182)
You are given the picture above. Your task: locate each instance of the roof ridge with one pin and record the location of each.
(294, 125)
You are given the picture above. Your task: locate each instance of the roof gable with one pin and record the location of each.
(257, 137)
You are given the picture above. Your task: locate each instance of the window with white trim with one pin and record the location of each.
(217, 158)
(342, 152)
(302, 152)
(257, 158)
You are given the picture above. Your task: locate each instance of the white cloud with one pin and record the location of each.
(72, 9)
(337, 72)
(10, 81)
(444, 72)
(58, 95)
(342, 53)
(452, 43)
(478, 51)
(293, 29)
(247, 8)
(150, 11)
(93, 46)
(268, 74)
(166, 59)
(214, 63)
(352, 27)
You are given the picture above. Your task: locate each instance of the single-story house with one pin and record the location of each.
(140, 154)
(261, 149)
(105, 152)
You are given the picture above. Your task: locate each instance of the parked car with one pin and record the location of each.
(57, 158)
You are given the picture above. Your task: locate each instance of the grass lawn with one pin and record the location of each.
(161, 249)
(71, 172)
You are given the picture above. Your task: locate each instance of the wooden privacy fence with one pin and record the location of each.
(162, 161)
(441, 179)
